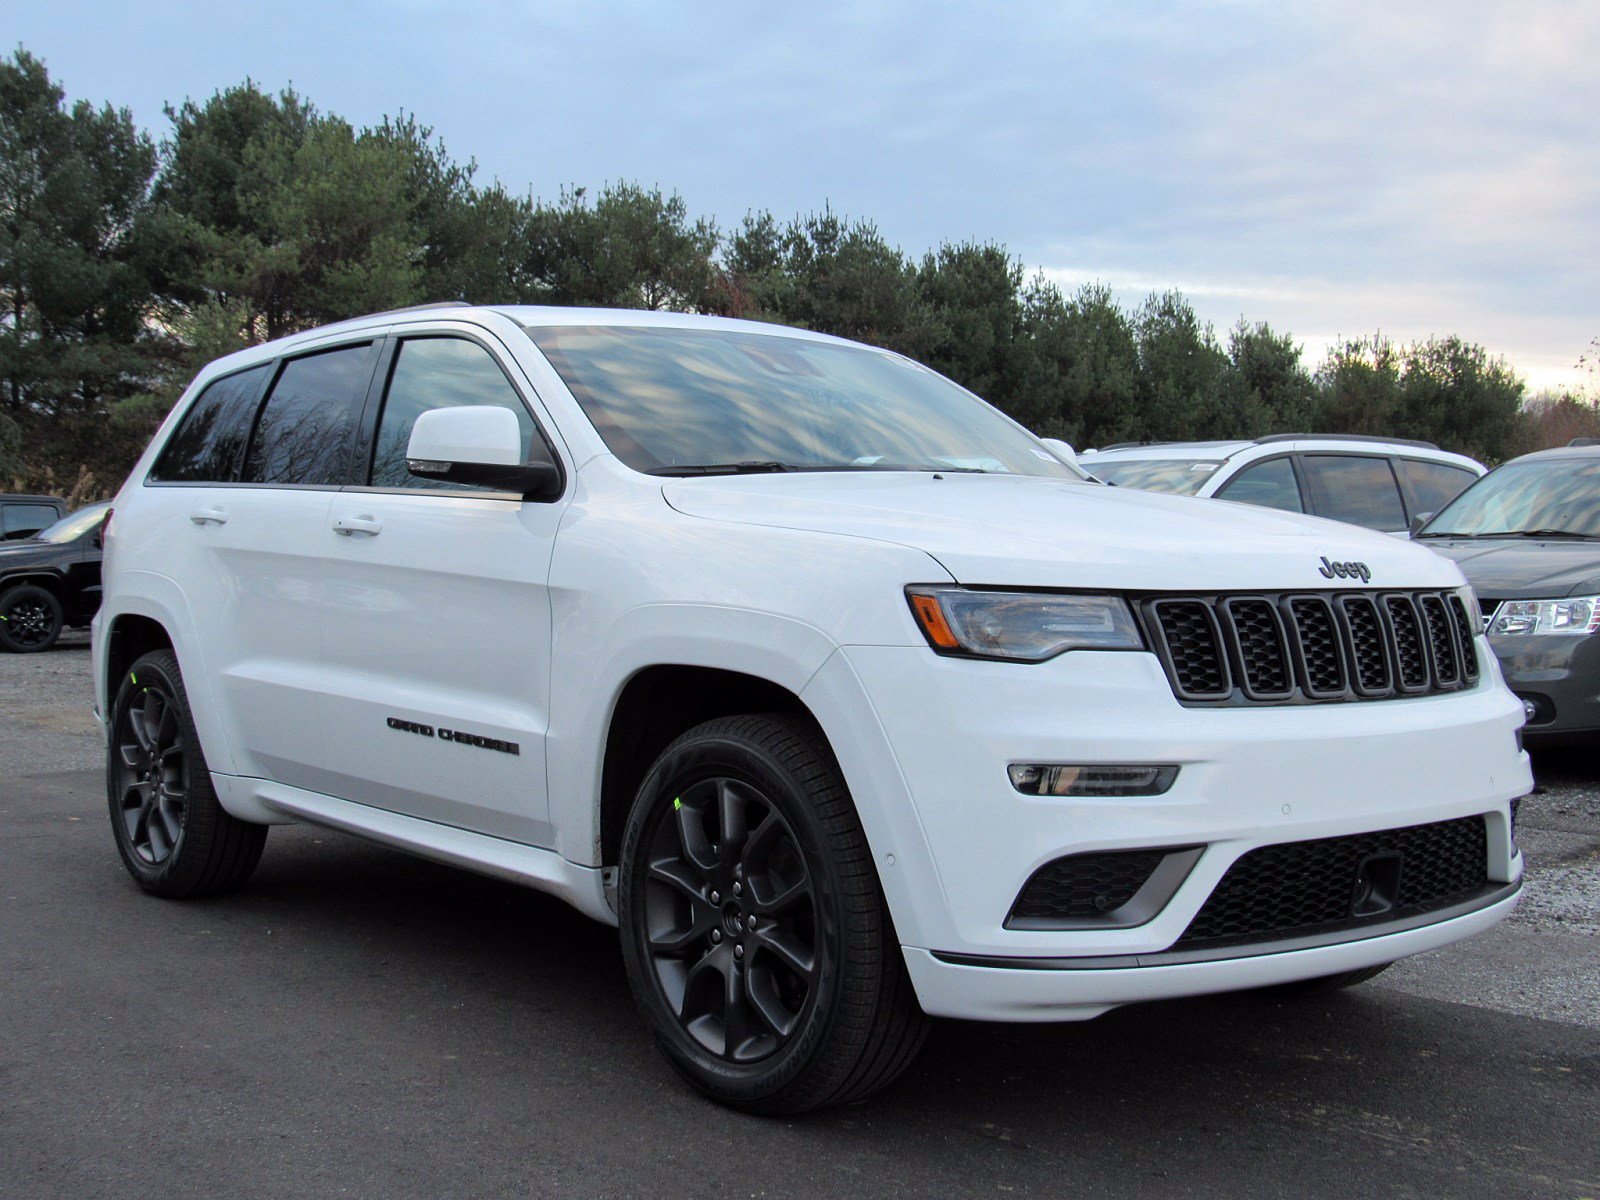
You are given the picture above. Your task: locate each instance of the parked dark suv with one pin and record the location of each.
(1527, 537)
(50, 581)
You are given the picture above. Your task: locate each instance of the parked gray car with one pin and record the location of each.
(1527, 537)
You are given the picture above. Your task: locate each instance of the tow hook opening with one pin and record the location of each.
(1377, 884)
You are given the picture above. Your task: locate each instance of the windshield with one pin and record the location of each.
(700, 401)
(1179, 476)
(73, 526)
(1549, 497)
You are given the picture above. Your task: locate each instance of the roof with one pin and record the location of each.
(1555, 452)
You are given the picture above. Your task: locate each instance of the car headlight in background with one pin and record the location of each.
(1021, 626)
(1574, 615)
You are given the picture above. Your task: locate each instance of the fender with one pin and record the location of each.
(584, 695)
(147, 594)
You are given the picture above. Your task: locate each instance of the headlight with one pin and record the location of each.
(1574, 615)
(1021, 626)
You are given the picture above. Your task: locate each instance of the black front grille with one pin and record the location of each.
(1084, 886)
(1300, 888)
(1311, 647)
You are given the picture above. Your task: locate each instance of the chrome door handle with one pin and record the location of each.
(209, 516)
(348, 525)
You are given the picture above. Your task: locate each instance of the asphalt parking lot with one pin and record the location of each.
(359, 1023)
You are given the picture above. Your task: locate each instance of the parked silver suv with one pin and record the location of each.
(1383, 483)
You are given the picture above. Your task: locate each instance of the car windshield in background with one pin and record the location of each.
(696, 401)
(74, 526)
(1557, 497)
(1178, 476)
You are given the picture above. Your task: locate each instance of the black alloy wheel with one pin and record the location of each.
(30, 619)
(730, 919)
(172, 833)
(149, 773)
(755, 935)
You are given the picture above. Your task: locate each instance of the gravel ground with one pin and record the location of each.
(47, 710)
(1544, 961)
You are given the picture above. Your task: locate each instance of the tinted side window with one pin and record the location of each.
(440, 372)
(1355, 489)
(304, 430)
(211, 437)
(1430, 486)
(24, 520)
(1270, 484)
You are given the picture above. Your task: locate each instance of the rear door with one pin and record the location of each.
(437, 639)
(1360, 489)
(241, 493)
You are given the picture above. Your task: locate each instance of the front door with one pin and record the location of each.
(436, 641)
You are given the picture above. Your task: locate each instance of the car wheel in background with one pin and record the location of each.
(30, 619)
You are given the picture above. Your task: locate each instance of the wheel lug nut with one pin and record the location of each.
(751, 923)
(716, 897)
(738, 888)
(716, 935)
(738, 951)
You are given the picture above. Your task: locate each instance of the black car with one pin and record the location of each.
(1527, 537)
(50, 581)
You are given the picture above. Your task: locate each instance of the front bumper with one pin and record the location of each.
(957, 843)
(1561, 677)
(1042, 991)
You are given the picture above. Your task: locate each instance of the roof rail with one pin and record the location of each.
(1348, 437)
(1584, 442)
(1129, 445)
(394, 312)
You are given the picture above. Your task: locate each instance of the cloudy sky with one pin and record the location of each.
(1332, 168)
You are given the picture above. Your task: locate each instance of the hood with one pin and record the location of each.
(1524, 568)
(21, 549)
(1019, 531)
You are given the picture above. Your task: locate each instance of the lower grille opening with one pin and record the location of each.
(1298, 889)
(1102, 889)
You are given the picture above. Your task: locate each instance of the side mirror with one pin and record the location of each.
(1418, 521)
(1062, 450)
(480, 444)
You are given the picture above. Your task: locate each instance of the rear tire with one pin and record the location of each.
(756, 938)
(30, 619)
(173, 834)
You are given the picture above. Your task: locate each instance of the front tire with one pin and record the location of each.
(30, 619)
(754, 933)
(173, 834)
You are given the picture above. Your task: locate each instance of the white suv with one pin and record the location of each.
(839, 693)
(1388, 484)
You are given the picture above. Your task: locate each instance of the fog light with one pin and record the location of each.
(1044, 779)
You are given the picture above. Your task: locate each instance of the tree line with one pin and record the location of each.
(127, 263)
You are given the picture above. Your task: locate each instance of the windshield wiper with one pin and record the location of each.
(733, 468)
(1571, 534)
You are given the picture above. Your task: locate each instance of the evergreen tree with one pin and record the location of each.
(74, 195)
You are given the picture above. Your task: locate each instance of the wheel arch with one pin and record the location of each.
(656, 705)
(130, 637)
(142, 611)
(50, 581)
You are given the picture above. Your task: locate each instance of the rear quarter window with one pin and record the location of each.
(209, 440)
